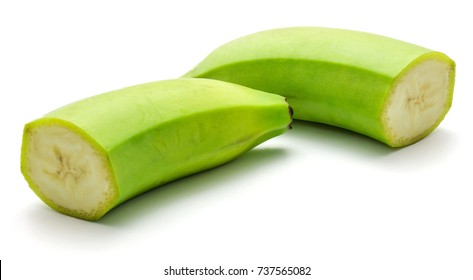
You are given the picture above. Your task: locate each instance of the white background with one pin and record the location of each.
(345, 205)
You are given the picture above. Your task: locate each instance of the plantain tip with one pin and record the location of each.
(291, 115)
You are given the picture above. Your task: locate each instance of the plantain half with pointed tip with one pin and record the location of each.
(87, 157)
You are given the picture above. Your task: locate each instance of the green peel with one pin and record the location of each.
(85, 158)
(340, 77)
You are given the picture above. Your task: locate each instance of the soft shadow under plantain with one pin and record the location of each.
(425, 152)
(163, 196)
(340, 139)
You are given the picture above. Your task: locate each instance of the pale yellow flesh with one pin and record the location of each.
(417, 100)
(67, 170)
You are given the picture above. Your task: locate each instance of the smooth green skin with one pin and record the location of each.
(332, 76)
(154, 133)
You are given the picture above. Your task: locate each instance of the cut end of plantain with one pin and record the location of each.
(419, 99)
(67, 171)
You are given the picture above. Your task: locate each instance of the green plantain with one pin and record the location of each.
(390, 90)
(85, 158)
